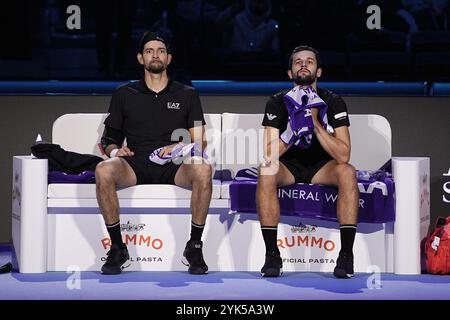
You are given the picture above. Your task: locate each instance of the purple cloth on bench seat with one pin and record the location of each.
(377, 201)
(62, 177)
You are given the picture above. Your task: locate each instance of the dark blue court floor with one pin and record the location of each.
(218, 286)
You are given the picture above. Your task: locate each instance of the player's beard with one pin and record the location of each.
(155, 67)
(305, 80)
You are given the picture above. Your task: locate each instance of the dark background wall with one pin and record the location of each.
(420, 127)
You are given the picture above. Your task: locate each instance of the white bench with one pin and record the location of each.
(58, 226)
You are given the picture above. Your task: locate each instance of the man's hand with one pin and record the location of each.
(124, 151)
(167, 150)
(315, 116)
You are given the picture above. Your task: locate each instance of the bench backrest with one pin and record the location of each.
(235, 141)
(81, 132)
(370, 141)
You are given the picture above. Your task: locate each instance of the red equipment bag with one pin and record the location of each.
(437, 247)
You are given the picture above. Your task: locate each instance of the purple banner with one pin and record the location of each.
(376, 204)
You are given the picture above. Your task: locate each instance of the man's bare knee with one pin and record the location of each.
(201, 172)
(267, 182)
(104, 171)
(346, 174)
(272, 171)
(198, 173)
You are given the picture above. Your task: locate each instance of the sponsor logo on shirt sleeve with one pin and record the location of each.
(340, 116)
(271, 116)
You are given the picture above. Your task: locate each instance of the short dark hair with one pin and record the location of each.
(152, 35)
(304, 48)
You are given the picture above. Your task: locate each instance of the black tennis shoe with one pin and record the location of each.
(117, 260)
(193, 257)
(273, 267)
(344, 266)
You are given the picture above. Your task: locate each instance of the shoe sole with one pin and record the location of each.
(116, 271)
(342, 274)
(272, 273)
(186, 263)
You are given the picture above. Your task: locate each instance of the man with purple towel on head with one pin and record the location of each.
(306, 141)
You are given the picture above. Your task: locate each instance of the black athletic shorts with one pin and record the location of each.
(148, 172)
(303, 171)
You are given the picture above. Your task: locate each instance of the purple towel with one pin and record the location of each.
(299, 102)
(178, 154)
(62, 177)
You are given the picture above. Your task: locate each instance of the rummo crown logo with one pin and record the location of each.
(130, 227)
(140, 240)
(303, 228)
(306, 240)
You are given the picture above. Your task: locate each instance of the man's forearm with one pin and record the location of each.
(201, 142)
(336, 148)
(274, 147)
(197, 135)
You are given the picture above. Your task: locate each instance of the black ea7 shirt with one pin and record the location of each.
(147, 119)
(276, 115)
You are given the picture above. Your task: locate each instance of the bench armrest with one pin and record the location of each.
(412, 211)
(29, 214)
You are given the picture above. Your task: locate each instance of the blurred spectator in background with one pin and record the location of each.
(435, 17)
(156, 16)
(414, 5)
(322, 24)
(186, 27)
(111, 54)
(194, 33)
(213, 39)
(396, 18)
(396, 24)
(250, 41)
(250, 29)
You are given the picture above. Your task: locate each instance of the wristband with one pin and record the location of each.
(266, 163)
(113, 153)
